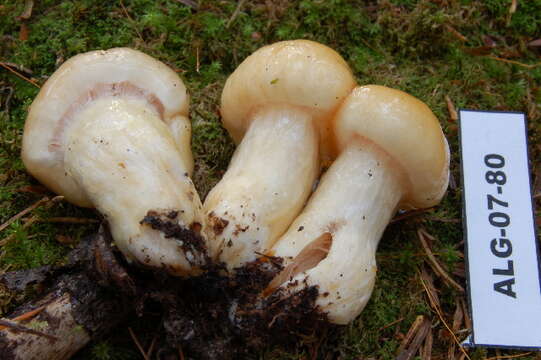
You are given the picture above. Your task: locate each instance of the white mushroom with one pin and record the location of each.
(393, 154)
(278, 105)
(110, 129)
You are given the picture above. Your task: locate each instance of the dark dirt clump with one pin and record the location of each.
(216, 223)
(190, 238)
(215, 316)
(20, 280)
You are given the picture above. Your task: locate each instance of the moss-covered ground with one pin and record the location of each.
(473, 54)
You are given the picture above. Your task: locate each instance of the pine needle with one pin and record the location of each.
(20, 75)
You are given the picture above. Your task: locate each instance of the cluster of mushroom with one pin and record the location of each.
(292, 106)
(122, 145)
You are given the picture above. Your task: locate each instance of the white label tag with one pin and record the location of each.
(502, 254)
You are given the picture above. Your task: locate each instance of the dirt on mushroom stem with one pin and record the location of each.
(191, 241)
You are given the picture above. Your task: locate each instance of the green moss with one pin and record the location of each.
(22, 251)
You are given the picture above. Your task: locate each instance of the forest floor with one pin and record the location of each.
(451, 54)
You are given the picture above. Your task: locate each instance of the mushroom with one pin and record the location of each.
(393, 154)
(278, 105)
(110, 129)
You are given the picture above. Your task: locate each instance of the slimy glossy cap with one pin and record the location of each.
(406, 129)
(298, 73)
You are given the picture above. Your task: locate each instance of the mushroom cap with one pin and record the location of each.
(406, 129)
(119, 72)
(299, 73)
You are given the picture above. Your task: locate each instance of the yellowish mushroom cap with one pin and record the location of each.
(406, 129)
(298, 73)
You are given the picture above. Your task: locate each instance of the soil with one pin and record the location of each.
(216, 315)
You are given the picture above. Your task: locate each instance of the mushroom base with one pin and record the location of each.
(190, 242)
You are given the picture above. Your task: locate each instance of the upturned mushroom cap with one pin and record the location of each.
(83, 79)
(301, 73)
(406, 129)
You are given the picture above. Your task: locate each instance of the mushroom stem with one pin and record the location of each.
(265, 186)
(274, 169)
(354, 202)
(125, 159)
(109, 129)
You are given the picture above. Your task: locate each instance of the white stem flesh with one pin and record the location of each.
(267, 183)
(354, 202)
(126, 160)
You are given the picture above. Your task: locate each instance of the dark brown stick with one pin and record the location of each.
(422, 332)
(438, 269)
